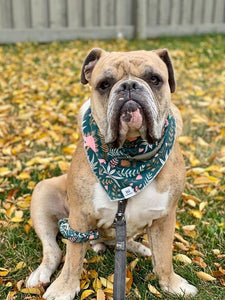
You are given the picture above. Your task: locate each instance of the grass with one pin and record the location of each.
(40, 95)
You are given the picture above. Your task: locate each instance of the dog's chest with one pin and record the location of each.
(141, 209)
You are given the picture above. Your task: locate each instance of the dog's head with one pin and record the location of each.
(131, 92)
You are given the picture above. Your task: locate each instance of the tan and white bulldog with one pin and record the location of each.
(130, 97)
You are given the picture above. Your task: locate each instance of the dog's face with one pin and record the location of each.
(131, 93)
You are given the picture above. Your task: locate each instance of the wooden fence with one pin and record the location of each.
(49, 20)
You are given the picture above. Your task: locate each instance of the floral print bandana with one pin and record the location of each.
(125, 171)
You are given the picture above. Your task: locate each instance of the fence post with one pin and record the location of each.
(141, 19)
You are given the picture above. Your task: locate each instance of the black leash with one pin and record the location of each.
(119, 285)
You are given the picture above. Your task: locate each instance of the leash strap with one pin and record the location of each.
(120, 255)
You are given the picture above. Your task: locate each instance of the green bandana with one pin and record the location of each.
(125, 171)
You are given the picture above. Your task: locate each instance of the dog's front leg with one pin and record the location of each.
(67, 285)
(161, 235)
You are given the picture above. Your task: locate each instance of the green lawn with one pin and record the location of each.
(40, 94)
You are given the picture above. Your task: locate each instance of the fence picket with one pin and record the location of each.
(197, 12)
(219, 11)
(21, 14)
(75, 13)
(175, 12)
(186, 14)
(57, 13)
(208, 12)
(152, 18)
(5, 14)
(164, 16)
(39, 13)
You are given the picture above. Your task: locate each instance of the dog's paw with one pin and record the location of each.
(98, 247)
(40, 275)
(180, 286)
(59, 290)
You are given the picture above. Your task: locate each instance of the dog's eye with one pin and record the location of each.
(155, 80)
(104, 85)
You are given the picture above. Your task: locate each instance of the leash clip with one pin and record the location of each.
(120, 215)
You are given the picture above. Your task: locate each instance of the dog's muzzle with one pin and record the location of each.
(132, 108)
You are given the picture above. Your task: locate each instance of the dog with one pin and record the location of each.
(130, 104)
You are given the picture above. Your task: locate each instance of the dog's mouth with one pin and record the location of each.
(130, 119)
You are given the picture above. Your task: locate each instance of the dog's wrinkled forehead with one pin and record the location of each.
(121, 64)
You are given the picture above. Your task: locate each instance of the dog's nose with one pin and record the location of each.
(129, 85)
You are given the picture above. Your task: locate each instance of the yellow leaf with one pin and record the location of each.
(86, 293)
(19, 266)
(196, 213)
(182, 258)
(4, 272)
(188, 227)
(192, 203)
(216, 251)
(10, 210)
(28, 130)
(93, 274)
(106, 283)
(154, 291)
(69, 149)
(31, 185)
(202, 205)
(95, 259)
(34, 291)
(108, 291)
(17, 220)
(8, 284)
(97, 284)
(133, 264)
(213, 168)
(100, 295)
(187, 197)
(23, 204)
(185, 140)
(4, 171)
(26, 228)
(205, 276)
(84, 284)
(23, 176)
(202, 142)
(63, 165)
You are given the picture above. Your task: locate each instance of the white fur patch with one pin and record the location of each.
(141, 210)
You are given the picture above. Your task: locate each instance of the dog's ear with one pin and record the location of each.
(164, 55)
(89, 64)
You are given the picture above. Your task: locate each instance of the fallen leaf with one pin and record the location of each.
(200, 262)
(106, 283)
(86, 293)
(154, 291)
(196, 213)
(35, 291)
(205, 276)
(4, 272)
(97, 284)
(182, 258)
(19, 266)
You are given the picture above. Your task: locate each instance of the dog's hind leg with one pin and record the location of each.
(47, 206)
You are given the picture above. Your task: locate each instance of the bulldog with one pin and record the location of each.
(130, 104)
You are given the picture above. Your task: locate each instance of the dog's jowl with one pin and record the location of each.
(128, 149)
